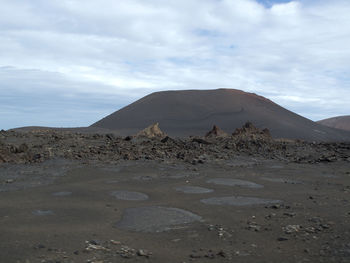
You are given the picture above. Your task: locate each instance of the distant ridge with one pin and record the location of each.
(194, 112)
(340, 122)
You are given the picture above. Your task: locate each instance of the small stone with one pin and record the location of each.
(39, 246)
(221, 253)
(289, 214)
(289, 229)
(269, 216)
(143, 253)
(94, 242)
(193, 255)
(253, 226)
(115, 242)
(315, 220)
(324, 226)
(310, 229)
(210, 254)
(211, 227)
(276, 206)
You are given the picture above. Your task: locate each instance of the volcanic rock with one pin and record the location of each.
(249, 131)
(152, 131)
(216, 132)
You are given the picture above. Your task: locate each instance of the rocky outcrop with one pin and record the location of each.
(152, 131)
(249, 131)
(216, 132)
(15, 154)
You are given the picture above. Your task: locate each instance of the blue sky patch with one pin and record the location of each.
(269, 3)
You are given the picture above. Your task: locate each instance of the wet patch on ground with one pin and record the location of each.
(193, 189)
(22, 176)
(234, 182)
(239, 201)
(180, 175)
(155, 219)
(129, 195)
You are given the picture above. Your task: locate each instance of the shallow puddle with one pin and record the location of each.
(130, 196)
(155, 219)
(193, 189)
(179, 175)
(238, 201)
(234, 182)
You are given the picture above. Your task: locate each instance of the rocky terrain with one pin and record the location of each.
(153, 144)
(241, 197)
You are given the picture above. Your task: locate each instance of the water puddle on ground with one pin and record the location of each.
(130, 196)
(281, 180)
(193, 190)
(234, 182)
(238, 201)
(64, 193)
(42, 212)
(155, 219)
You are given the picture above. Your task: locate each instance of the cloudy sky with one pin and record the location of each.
(70, 63)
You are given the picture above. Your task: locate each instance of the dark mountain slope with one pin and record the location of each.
(340, 122)
(193, 112)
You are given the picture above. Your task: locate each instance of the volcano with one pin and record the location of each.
(194, 112)
(340, 122)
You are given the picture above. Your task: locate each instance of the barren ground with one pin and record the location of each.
(97, 198)
(73, 217)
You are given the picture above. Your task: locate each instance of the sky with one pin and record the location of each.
(68, 63)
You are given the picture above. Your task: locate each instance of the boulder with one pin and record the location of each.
(152, 131)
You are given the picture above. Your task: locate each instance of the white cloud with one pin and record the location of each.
(295, 53)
